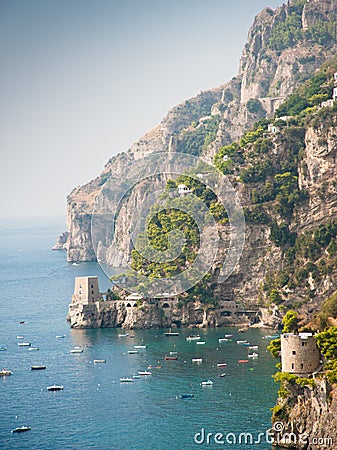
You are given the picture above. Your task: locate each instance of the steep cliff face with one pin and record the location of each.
(124, 314)
(268, 73)
(307, 417)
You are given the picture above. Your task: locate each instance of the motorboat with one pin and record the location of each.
(155, 367)
(38, 367)
(144, 372)
(201, 343)
(3, 349)
(207, 383)
(222, 375)
(196, 360)
(139, 346)
(24, 344)
(32, 349)
(253, 347)
(126, 380)
(21, 429)
(55, 387)
(184, 396)
(221, 364)
(241, 361)
(123, 335)
(61, 337)
(171, 358)
(171, 333)
(98, 361)
(5, 373)
(133, 352)
(76, 350)
(228, 335)
(253, 355)
(193, 337)
(242, 342)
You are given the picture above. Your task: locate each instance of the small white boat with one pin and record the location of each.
(126, 380)
(123, 335)
(133, 352)
(144, 372)
(222, 375)
(221, 364)
(223, 339)
(76, 350)
(228, 335)
(193, 337)
(24, 344)
(38, 367)
(5, 373)
(61, 337)
(197, 360)
(242, 342)
(171, 333)
(32, 349)
(139, 346)
(173, 353)
(3, 349)
(21, 429)
(207, 383)
(201, 343)
(55, 387)
(99, 361)
(136, 377)
(19, 337)
(253, 355)
(253, 347)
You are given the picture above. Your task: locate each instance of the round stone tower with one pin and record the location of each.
(299, 353)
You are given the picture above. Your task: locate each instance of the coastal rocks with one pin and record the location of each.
(154, 314)
(308, 416)
(61, 243)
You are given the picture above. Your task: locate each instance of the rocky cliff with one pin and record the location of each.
(158, 314)
(270, 70)
(306, 417)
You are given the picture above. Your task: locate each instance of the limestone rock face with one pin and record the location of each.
(265, 75)
(123, 314)
(311, 414)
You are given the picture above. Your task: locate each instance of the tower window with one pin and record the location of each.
(301, 365)
(292, 366)
(294, 352)
(92, 286)
(304, 344)
(92, 292)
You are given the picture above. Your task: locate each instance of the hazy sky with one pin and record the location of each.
(82, 80)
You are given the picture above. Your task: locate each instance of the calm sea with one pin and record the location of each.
(95, 410)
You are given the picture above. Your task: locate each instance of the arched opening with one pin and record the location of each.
(165, 305)
(128, 305)
(135, 305)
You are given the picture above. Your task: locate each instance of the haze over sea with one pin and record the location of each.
(95, 410)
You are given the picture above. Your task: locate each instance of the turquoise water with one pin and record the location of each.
(95, 410)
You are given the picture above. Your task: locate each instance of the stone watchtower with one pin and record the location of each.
(299, 353)
(86, 290)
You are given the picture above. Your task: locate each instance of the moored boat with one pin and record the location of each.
(139, 346)
(155, 367)
(207, 383)
(5, 373)
(243, 361)
(197, 360)
(126, 380)
(144, 372)
(201, 343)
(171, 358)
(253, 355)
(24, 344)
(38, 367)
(184, 396)
(99, 361)
(76, 350)
(32, 349)
(123, 335)
(21, 429)
(221, 364)
(193, 337)
(55, 387)
(171, 333)
(133, 352)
